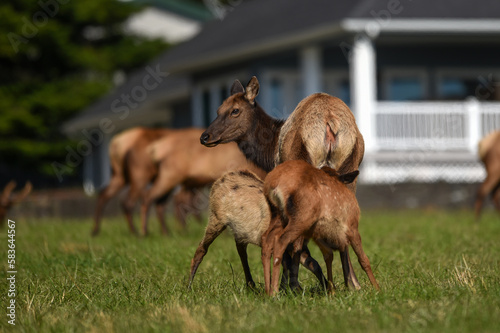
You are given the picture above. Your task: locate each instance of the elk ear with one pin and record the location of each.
(237, 87)
(252, 90)
(348, 178)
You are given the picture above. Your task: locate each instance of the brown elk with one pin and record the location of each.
(131, 165)
(7, 199)
(237, 201)
(182, 160)
(310, 203)
(318, 119)
(489, 153)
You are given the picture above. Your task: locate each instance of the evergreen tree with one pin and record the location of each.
(57, 57)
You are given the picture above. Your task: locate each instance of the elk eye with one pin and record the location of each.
(235, 112)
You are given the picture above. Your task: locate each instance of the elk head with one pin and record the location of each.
(235, 117)
(7, 200)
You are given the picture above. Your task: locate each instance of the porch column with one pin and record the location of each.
(364, 88)
(197, 107)
(474, 123)
(310, 58)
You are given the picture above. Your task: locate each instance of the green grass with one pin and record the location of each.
(439, 272)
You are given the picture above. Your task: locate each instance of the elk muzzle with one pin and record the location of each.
(207, 140)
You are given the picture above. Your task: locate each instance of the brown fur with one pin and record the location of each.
(489, 153)
(182, 160)
(237, 201)
(321, 131)
(131, 164)
(7, 199)
(325, 128)
(311, 203)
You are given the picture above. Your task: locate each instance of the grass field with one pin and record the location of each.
(439, 272)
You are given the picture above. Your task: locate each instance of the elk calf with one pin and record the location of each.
(237, 201)
(311, 203)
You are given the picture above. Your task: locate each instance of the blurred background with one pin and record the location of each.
(421, 77)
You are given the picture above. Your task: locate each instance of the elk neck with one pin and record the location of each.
(259, 144)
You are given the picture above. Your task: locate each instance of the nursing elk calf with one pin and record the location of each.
(266, 141)
(237, 201)
(7, 199)
(310, 203)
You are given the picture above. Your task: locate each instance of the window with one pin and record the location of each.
(282, 90)
(404, 84)
(458, 84)
(336, 83)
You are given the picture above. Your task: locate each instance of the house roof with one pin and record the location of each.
(258, 27)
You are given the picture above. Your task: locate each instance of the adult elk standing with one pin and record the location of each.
(182, 160)
(321, 130)
(132, 165)
(7, 199)
(489, 153)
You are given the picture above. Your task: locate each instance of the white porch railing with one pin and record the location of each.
(434, 126)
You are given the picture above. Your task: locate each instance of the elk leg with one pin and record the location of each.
(242, 251)
(128, 206)
(115, 185)
(486, 187)
(328, 257)
(308, 262)
(281, 242)
(182, 201)
(350, 279)
(214, 229)
(496, 197)
(165, 182)
(290, 276)
(355, 241)
(267, 244)
(160, 213)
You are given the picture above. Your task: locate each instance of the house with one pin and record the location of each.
(421, 77)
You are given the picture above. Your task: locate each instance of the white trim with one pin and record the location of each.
(410, 25)
(389, 73)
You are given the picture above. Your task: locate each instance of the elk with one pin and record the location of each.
(489, 154)
(237, 201)
(182, 160)
(266, 141)
(7, 199)
(310, 203)
(131, 164)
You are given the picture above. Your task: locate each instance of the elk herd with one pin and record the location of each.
(276, 184)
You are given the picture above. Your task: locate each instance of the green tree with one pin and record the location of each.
(56, 57)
